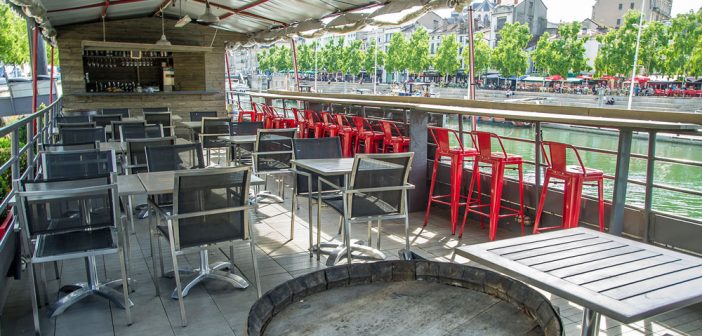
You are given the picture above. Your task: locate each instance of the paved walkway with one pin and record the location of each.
(216, 309)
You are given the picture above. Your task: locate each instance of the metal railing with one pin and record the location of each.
(38, 128)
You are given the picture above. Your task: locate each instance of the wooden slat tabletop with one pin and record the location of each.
(620, 278)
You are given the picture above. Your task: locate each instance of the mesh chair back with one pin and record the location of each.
(124, 112)
(71, 136)
(212, 129)
(73, 119)
(273, 149)
(77, 164)
(155, 109)
(140, 131)
(52, 148)
(216, 202)
(198, 115)
(136, 152)
(106, 119)
(61, 126)
(379, 171)
(116, 135)
(316, 148)
(68, 205)
(162, 118)
(177, 157)
(245, 128)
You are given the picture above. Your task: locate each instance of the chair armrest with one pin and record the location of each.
(406, 186)
(270, 153)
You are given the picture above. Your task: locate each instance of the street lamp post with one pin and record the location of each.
(636, 55)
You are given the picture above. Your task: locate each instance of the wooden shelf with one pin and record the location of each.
(107, 45)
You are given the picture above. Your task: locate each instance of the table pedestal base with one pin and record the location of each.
(212, 271)
(338, 252)
(591, 322)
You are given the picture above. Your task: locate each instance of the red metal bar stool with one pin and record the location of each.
(331, 129)
(268, 116)
(458, 156)
(258, 111)
(301, 122)
(574, 177)
(251, 114)
(498, 161)
(315, 127)
(347, 133)
(366, 135)
(281, 119)
(393, 138)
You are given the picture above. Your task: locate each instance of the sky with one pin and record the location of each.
(578, 10)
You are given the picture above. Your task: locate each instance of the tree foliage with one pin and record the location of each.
(397, 58)
(305, 56)
(564, 54)
(446, 60)
(353, 58)
(617, 47)
(654, 40)
(684, 34)
(14, 48)
(482, 55)
(369, 62)
(509, 57)
(418, 58)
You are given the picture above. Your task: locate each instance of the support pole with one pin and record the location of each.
(471, 61)
(294, 51)
(51, 78)
(375, 63)
(229, 76)
(648, 196)
(621, 179)
(316, 72)
(636, 55)
(35, 87)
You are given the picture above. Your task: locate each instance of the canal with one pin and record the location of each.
(666, 173)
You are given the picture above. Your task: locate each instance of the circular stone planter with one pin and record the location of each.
(403, 298)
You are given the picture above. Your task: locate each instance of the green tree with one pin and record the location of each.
(353, 59)
(617, 47)
(543, 54)
(305, 56)
(654, 40)
(482, 55)
(509, 58)
(446, 60)
(397, 54)
(418, 58)
(14, 48)
(281, 58)
(332, 55)
(696, 59)
(572, 50)
(264, 59)
(370, 60)
(685, 31)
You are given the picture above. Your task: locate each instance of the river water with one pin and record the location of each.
(665, 173)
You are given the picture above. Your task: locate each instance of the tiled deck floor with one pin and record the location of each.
(216, 309)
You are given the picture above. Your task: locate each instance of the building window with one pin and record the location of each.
(619, 21)
(621, 6)
(631, 6)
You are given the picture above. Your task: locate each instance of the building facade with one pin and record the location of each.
(611, 12)
(529, 12)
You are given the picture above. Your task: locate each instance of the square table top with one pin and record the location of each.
(615, 276)
(326, 167)
(156, 183)
(129, 185)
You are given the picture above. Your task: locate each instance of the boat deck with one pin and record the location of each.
(216, 309)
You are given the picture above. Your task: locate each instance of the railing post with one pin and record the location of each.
(621, 179)
(14, 156)
(418, 121)
(537, 163)
(648, 196)
(30, 148)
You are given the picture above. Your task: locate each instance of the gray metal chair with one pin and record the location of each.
(165, 119)
(116, 136)
(136, 162)
(73, 119)
(72, 219)
(305, 182)
(71, 136)
(198, 115)
(77, 164)
(89, 124)
(377, 191)
(273, 151)
(156, 109)
(242, 152)
(140, 131)
(211, 130)
(103, 120)
(124, 112)
(210, 208)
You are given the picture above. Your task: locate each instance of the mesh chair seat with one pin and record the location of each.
(71, 136)
(76, 242)
(363, 206)
(203, 231)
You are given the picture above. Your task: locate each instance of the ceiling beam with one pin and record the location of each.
(162, 7)
(93, 5)
(240, 11)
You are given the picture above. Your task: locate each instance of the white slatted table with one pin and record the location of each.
(618, 277)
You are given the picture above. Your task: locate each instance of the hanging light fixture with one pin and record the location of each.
(163, 40)
(183, 19)
(207, 17)
(396, 11)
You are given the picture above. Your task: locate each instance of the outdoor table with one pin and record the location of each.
(156, 183)
(327, 168)
(237, 141)
(120, 147)
(606, 274)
